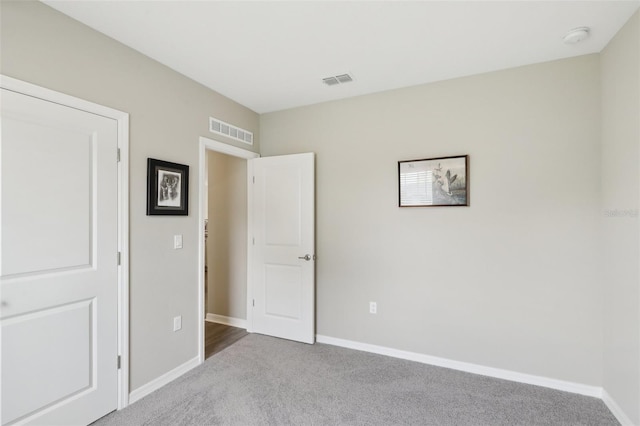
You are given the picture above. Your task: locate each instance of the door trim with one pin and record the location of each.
(122, 120)
(207, 144)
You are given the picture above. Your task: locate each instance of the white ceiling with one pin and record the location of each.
(271, 55)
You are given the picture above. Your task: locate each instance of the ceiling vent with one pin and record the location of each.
(338, 79)
(225, 129)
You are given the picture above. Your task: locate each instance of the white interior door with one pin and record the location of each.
(283, 259)
(58, 264)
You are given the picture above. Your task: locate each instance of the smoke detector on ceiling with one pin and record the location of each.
(337, 79)
(576, 35)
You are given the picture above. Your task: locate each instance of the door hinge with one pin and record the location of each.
(119, 256)
(254, 179)
(118, 155)
(119, 361)
(254, 240)
(254, 302)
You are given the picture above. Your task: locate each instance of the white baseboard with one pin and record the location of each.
(221, 319)
(616, 410)
(513, 376)
(156, 384)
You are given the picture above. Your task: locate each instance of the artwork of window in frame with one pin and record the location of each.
(434, 182)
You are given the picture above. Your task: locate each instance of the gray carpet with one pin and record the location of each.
(267, 381)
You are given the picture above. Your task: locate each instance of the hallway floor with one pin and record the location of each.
(219, 336)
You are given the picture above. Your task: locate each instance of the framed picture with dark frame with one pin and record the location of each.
(167, 188)
(434, 182)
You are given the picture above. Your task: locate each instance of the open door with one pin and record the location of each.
(282, 268)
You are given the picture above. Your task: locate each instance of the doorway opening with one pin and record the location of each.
(223, 215)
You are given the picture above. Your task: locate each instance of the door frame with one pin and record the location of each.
(122, 120)
(207, 144)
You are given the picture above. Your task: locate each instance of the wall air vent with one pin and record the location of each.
(338, 79)
(225, 129)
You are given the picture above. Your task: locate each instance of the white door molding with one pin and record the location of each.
(207, 144)
(122, 120)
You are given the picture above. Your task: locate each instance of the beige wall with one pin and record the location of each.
(168, 112)
(227, 242)
(509, 282)
(621, 231)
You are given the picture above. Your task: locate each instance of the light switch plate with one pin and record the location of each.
(177, 241)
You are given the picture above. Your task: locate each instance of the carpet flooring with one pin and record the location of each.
(267, 381)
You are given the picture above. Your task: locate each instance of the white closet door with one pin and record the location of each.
(58, 262)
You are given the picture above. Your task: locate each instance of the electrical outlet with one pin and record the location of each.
(177, 323)
(373, 308)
